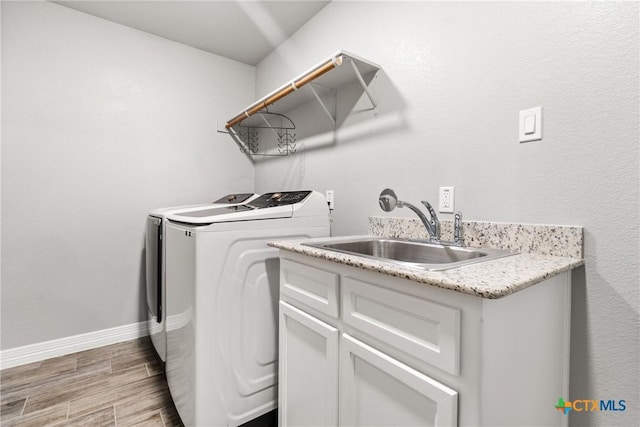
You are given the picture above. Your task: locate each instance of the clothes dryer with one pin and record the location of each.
(222, 304)
(155, 261)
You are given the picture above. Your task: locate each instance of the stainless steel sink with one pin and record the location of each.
(413, 254)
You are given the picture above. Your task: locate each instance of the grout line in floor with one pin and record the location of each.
(24, 405)
(162, 418)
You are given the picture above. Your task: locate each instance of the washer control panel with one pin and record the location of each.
(230, 199)
(281, 198)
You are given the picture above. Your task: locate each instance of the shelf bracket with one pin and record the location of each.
(245, 147)
(364, 85)
(324, 107)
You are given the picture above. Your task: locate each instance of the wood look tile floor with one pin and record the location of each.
(117, 385)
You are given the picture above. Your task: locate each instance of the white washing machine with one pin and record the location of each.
(222, 304)
(155, 261)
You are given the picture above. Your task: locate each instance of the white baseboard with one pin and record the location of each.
(63, 346)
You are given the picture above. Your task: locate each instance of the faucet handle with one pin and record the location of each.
(432, 212)
(435, 222)
(457, 227)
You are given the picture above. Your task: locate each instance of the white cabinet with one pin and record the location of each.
(359, 348)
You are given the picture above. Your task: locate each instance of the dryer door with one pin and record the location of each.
(154, 267)
(153, 248)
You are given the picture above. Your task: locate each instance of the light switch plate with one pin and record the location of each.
(530, 126)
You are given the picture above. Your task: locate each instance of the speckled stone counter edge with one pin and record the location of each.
(545, 251)
(555, 240)
(492, 279)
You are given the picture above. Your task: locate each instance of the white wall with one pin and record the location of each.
(455, 77)
(100, 124)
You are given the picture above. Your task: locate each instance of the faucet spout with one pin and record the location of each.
(433, 227)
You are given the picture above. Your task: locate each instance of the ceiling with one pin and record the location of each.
(242, 30)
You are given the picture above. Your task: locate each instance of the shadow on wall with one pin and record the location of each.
(619, 360)
(579, 379)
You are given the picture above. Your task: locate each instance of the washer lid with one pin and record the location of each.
(224, 201)
(268, 206)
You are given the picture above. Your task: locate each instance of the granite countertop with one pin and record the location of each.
(490, 279)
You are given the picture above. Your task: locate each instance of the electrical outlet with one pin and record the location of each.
(446, 200)
(329, 198)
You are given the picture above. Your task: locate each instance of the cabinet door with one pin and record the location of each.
(308, 370)
(378, 390)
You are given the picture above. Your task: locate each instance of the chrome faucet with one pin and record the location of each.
(389, 201)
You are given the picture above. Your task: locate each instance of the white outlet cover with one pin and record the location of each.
(329, 197)
(530, 125)
(446, 200)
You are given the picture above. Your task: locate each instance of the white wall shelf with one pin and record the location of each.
(322, 83)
